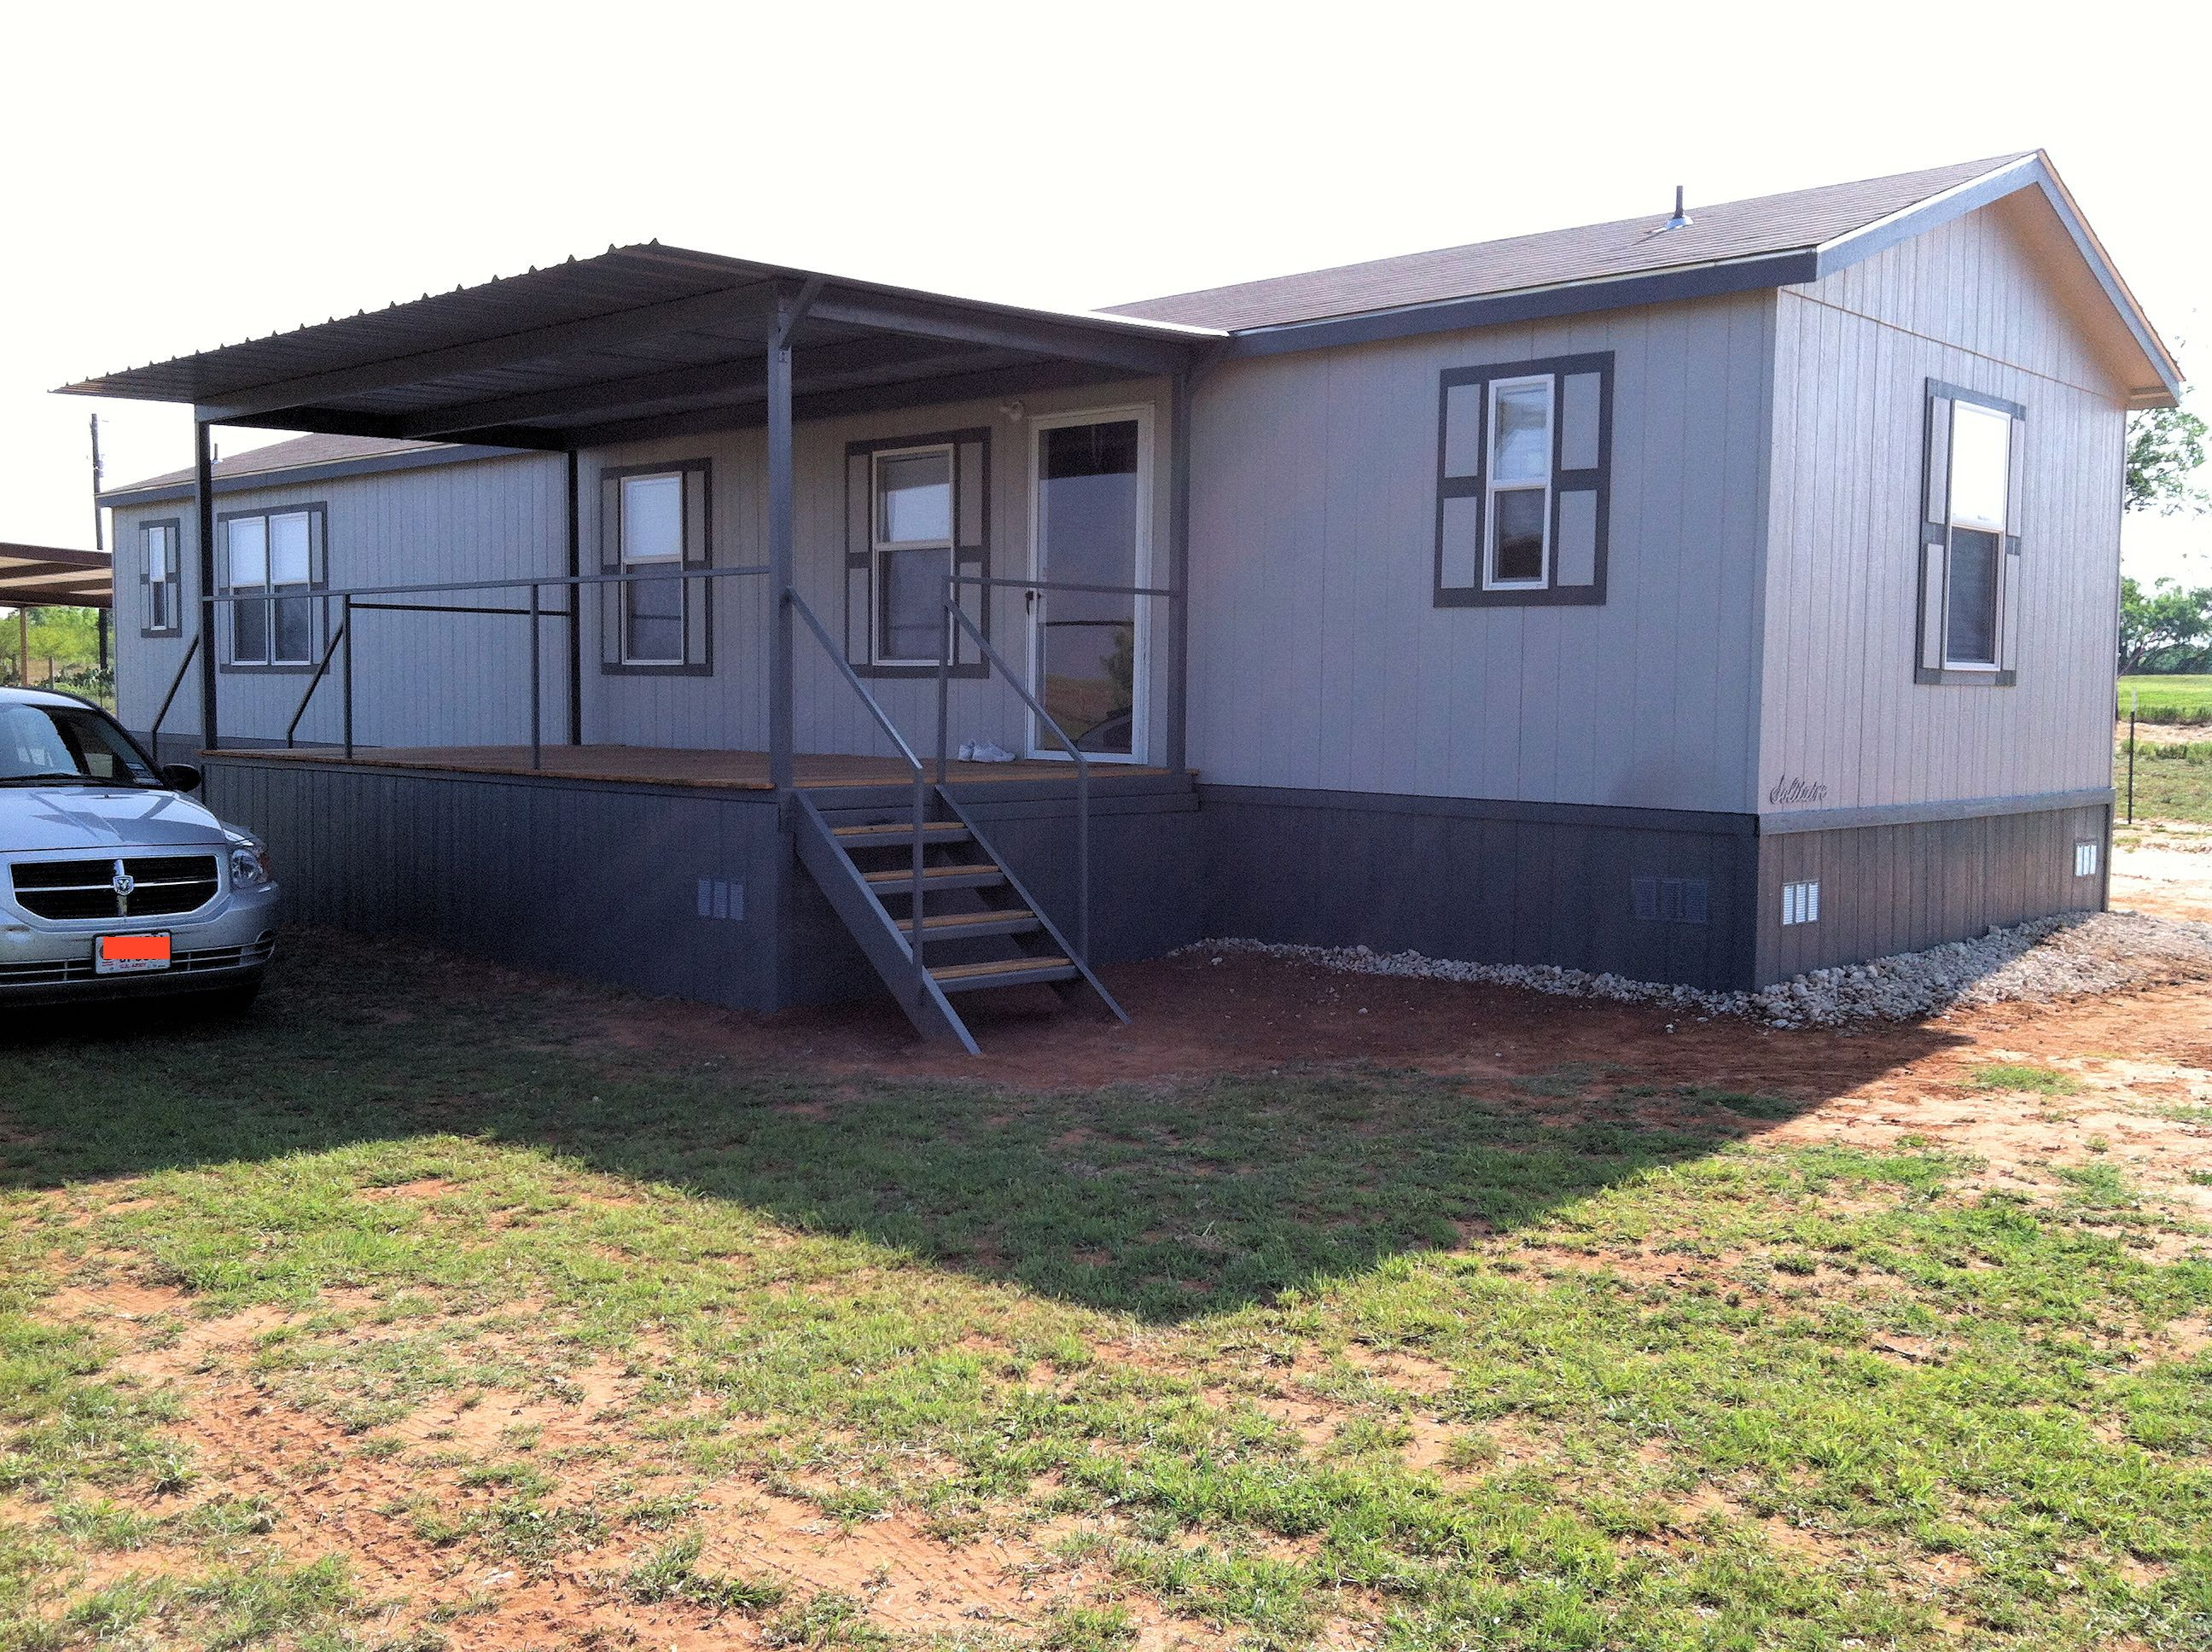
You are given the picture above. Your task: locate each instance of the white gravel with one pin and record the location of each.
(2069, 957)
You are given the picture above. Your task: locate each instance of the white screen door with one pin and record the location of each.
(1092, 525)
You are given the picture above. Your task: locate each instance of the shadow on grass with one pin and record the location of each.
(1163, 1201)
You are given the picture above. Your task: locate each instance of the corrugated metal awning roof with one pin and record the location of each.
(48, 576)
(599, 349)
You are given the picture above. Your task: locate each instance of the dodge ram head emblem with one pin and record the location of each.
(123, 884)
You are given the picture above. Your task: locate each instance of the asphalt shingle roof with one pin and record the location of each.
(291, 455)
(1731, 229)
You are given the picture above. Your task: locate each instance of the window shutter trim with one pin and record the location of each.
(859, 560)
(1463, 415)
(1574, 542)
(1935, 561)
(610, 641)
(1581, 477)
(2010, 565)
(1936, 512)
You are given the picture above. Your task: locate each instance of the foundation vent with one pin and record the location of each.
(721, 897)
(2085, 857)
(1670, 900)
(1801, 902)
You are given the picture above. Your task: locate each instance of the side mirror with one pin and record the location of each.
(180, 777)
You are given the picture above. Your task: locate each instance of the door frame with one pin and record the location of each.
(1142, 607)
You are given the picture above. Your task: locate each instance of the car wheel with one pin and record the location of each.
(234, 999)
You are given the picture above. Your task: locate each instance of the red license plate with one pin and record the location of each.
(120, 955)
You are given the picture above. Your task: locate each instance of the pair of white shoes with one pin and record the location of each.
(985, 751)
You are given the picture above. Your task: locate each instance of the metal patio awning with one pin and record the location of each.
(47, 576)
(638, 342)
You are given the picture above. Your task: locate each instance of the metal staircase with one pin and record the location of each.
(980, 928)
(932, 906)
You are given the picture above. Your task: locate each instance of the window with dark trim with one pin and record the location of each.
(157, 573)
(917, 509)
(273, 562)
(1524, 470)
(655, 521)
(1972, 464)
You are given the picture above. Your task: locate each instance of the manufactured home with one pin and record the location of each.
(1704, 597)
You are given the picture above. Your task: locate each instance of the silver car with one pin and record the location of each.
(114, 884)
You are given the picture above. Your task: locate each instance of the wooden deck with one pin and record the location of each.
(737, 771)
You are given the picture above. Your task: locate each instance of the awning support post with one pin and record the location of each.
(782, 574)
(203, 519)
(575, 612)
(1178, 579)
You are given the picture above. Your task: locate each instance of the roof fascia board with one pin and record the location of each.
(738, 307)
(331, 470)
(860, 399)
(2030, 172)
(718, 382)
(1531, 304)
(60, 557)
(1112, 346)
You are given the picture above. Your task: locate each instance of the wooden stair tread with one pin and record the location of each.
(903, 830)
(962, 920)
(999, 967)
(905, 874)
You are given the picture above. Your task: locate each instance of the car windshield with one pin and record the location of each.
(67, 743)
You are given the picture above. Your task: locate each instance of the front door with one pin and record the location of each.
(1091, 526)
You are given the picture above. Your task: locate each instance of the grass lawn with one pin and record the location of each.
(2172, 781)
(411, 1313)
(2169, 699)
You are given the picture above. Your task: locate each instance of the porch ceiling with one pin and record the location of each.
(637, 342)
(49, 576)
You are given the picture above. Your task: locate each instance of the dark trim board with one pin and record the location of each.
(676, 890)
(1482, 881)
(300, 475)
(1904, 887)
(668, 889)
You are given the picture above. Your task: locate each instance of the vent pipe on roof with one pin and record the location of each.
(1681, 219)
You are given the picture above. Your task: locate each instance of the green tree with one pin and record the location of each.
(2166, 450)
(2156, 622)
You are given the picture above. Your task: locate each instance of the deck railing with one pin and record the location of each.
(957, 620)
(799, 606)
(364, 599)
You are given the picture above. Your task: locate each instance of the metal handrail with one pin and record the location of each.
(957, 615)
(511, 585)
(350, 603)
(321, 670)
(154, 734)
(798, 604)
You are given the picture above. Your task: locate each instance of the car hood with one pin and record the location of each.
(99, 819)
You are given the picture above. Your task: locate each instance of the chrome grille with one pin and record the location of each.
(137, 886)
(55, 972)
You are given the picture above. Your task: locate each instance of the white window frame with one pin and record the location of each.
(880, 548)
(162, 615)
(268, 593)
(1042, 745)
(2001, 529)
(1491, 486)
(630, 560)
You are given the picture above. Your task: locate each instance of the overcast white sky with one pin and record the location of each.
(179, 177)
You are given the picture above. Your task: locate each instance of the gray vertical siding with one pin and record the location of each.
(728, 710)
(1971, 304)
(1317, 658)
(420, 679)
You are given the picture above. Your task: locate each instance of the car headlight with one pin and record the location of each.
(249, 862)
